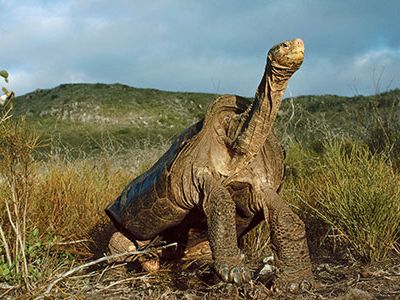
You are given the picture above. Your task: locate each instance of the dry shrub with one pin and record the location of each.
(70, 196)
(17, 176)
(356, 193)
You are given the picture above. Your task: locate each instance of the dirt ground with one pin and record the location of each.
(195, 280)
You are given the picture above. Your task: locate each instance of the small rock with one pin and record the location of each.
(356, 294)
(269, 260)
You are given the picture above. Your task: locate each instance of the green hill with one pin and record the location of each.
(85, 115)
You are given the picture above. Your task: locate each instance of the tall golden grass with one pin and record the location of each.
(69, 197)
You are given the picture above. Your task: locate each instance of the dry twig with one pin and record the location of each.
(92, 263)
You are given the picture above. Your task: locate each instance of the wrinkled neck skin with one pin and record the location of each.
(257, 121)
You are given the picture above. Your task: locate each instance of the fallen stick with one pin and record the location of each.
(92, 263)
(70, 242)
(123, 281)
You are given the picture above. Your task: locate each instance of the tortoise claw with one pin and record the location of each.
(224, 273)
(235, 273)
(236, 276)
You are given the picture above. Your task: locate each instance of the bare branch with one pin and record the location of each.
(7, 249)
(92, 263)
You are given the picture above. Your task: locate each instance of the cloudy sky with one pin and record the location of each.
(352, 47)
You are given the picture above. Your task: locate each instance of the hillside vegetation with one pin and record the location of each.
(89, 116)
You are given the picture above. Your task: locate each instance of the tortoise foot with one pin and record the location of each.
(119, 243)
(293, 283)
(266, 272)
(232, 270)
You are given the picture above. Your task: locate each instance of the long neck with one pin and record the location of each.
(257, 121)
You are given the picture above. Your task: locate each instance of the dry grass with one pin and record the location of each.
(72, 196)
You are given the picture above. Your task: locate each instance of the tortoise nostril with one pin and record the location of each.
(299, 42)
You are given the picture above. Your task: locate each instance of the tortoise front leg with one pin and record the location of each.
(289, 242)
(220, 211)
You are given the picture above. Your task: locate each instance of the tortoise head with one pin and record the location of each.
(287, 55)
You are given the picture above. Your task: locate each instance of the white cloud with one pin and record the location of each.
(193, 45)
(384, 56)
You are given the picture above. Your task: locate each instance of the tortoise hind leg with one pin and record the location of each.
(119, 243)
(289, 242)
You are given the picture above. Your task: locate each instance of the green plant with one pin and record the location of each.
(357, 193)
(37, 253)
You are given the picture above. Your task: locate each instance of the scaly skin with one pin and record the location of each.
(223, 175)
